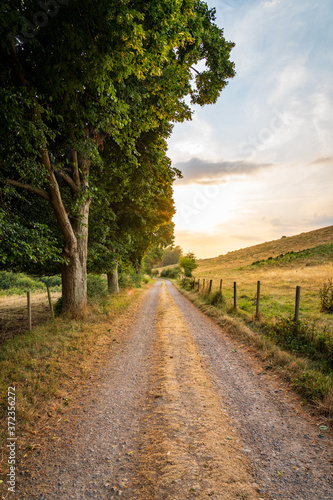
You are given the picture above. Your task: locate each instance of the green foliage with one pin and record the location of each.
(188, 263)
(96, 285)
(310, 256)
(128, 276)
(171, 273)
(216, 298)
(24, 244)
(51, 281)
(326, 296)
(99, 73)
(9, 280)
(187, 284)
(303, 338)
(152, 257)
(171, 255)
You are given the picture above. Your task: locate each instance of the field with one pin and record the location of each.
(305, 260)
(301, 351)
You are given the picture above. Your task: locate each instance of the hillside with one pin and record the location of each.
(305, 260)
(263, 251)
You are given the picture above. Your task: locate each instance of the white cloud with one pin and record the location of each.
(273, 122)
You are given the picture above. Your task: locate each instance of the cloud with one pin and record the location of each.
(201, 171)
(321, 220)
(321, 161)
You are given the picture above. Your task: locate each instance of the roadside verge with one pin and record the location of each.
(303, 374)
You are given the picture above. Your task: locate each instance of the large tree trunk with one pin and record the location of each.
(113, 285)
(74, 274)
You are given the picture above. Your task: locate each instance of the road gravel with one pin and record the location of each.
(180, 410)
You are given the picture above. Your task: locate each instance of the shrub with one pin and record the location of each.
(10, 280)
(96, 285)
(187, 284)
(171, 273)
(326, 296)
(303, 338)
(146, 278)
(51, 281)
(128, 277)
(216, 298)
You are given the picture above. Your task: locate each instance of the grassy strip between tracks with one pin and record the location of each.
(48, 364)
(307, 369)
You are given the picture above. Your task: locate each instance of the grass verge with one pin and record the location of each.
(50, 363)
(311, 375)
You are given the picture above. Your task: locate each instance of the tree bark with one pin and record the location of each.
(113, 285)
(74, 274)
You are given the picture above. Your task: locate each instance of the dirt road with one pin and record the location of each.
(180, 411)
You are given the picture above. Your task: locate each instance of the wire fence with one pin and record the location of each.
(20, 313)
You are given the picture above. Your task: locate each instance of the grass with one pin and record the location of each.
(305, 362)
(47, 364)
(303, 352)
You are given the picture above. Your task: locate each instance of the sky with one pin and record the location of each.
(258, 164)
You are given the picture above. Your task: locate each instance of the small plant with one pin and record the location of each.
(216, 298)
(187, 283)
(326, 296)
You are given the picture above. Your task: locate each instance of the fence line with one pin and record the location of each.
(20, 313)
(208, 290)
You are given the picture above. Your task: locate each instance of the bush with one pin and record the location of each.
(216, 298)
(187, 284)
(51, 281)
(156, 272)
(146, 278)
(96, 285)
(128, 276)
(10, 280)
(303, 338)
(326, 296)
(171, 273)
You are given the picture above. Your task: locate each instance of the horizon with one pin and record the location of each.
(257, 165)
(263, 242)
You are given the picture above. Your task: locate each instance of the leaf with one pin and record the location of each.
(323, 428)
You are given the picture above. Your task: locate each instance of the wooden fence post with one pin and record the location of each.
(297, 303)
(258, 301)
(221, 287)
(198, 284)
(50, 302)
(29, 310)
(235, 295)
(203, 285)
(210, 286)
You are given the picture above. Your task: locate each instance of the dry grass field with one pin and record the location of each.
(309, 268)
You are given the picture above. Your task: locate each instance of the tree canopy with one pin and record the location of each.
(82, 77)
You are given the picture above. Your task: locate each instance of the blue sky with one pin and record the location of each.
(258, 164)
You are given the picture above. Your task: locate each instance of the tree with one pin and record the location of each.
(96, 69)
(171, 255)
(188, 263)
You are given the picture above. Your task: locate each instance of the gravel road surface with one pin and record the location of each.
(179, 410)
